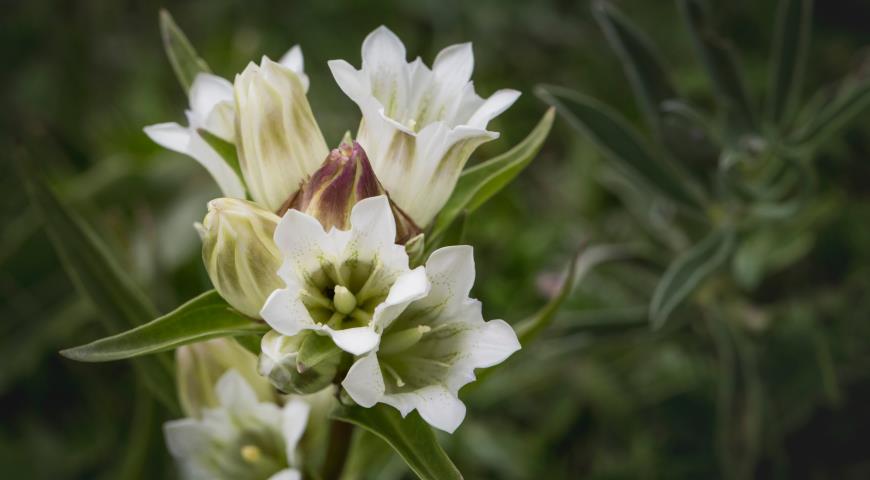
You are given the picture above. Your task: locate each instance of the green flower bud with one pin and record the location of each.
(345, 178)
(239, 254)
(304, 363)
(200, 365)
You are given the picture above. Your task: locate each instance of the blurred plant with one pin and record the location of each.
(727, 202)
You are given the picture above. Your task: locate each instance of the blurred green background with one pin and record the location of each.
(81, 79)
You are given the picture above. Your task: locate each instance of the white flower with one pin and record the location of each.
(419, 125)
(212, 108)
(278, 140)
(431, 349)
(242, 438)
(348, 284)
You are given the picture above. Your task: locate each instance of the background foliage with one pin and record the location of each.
(779, 388)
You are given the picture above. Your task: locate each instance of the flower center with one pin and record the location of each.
(346, 296)
(251, 453)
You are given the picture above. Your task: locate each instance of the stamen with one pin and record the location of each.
(402, 340)
(363, 294)
(362, 316)
(316, 297)
(394, 374)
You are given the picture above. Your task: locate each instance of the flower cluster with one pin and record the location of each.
(313, 242)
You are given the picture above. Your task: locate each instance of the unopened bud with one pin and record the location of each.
(277, 137)
(300, 364)
(200, 366)
(239, 254)
(345, 178)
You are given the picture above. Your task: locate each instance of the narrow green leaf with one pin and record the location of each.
(410, 437)
(619, 141)
(721, 65)
(687, 272)
(96, 275)
(202, 318)
(180, 52)
(649, 78)
(479, 183)
(452, 234)
(852, 97)
(585, 260)
(788, 62)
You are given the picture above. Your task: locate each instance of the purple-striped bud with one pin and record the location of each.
(344, 178)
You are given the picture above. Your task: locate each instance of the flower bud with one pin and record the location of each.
(345, 178)
(277, 137)
(302, 364)
(200, 365)
(239, 254)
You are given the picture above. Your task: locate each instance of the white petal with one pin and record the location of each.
(436, 405)
(170, 135)
(373, 235)
(410, 286)
(383, 60)
(286, 313)
(454, 65)
(294, 60)
(364, 381)
(352, 82)
(186, 437)
(497, 103)
(234, 393)
(206, 92)
(287, 474)
(293, 422)
(226, 178)
(303, 242)
(185, 140)
(356, 341)
(492, 344)
(451, 272)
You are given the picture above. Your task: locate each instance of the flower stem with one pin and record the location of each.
(340, 434)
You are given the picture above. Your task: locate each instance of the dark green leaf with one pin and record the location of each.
(202, 318)
(721, 65)
(789, 58)
(181, 53)
(835, 113)
(687, 272)
(619, 141)
(410, 437)
(478, 184)
(87, 261)
(649, 79)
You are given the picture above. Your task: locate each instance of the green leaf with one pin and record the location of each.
(585, 260)
(721, 65)
(180, 52)
(410, 437)
(453, 234)
(479, 183)
(788, 64)
(96, 275)
(619, 141)
(202, 318)
(649, 78)
(851, 98)
(687, 272)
